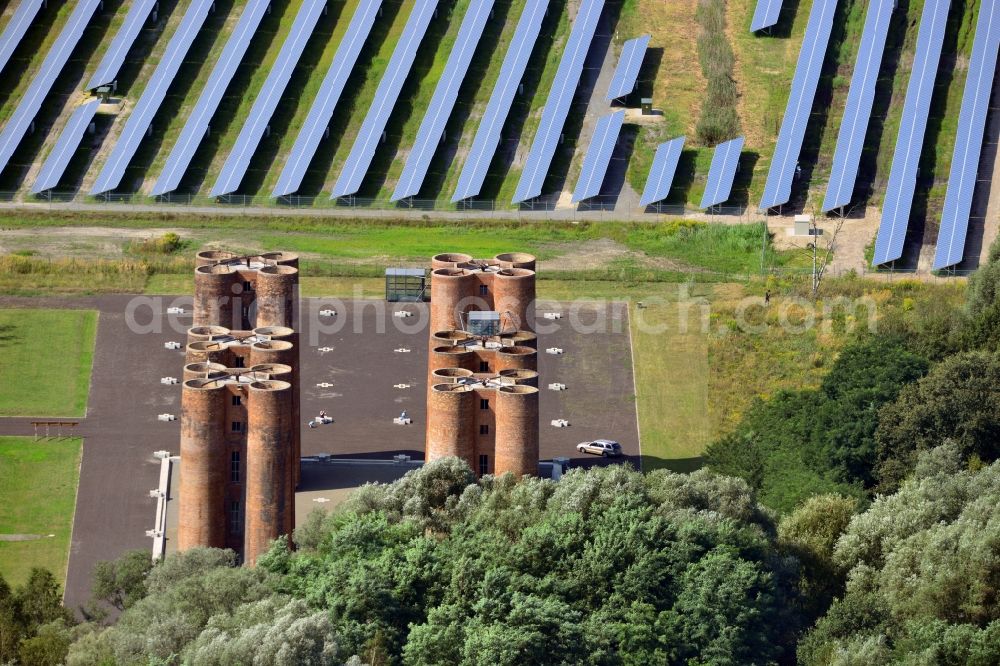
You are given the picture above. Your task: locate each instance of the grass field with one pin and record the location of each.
(38, 481)
(45, 361)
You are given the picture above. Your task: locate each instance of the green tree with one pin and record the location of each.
(121, 582)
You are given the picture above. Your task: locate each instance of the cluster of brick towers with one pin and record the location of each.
(240, 444)
(482, 399)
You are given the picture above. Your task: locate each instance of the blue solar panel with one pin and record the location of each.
(722, 172)
(969, 139)
(113, 58)
(267, 100)
(43, 79)
(147, 106)
(765, 15)
(484, 145)
(778, 188)
(14, 31)
(661, 174)
(629, 64)
(595, 162)
(543, 147)
(906, 158)
(55, 164)
(443, 101)
(208, 102)
(857, 112)
(363, 150)
(329, 94)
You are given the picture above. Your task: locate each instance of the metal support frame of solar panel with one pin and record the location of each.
(360, 158)
(765, 14)
(543, 146)
(857, 112)
(661, 173)
(721, 174)
(222, 74)
(238, 160)
(969, 138)
(14, 31)
(330, 90)
(114, 57)
(627, 70)
(598, 157)
(69, 139)
(909, 142)
(443, 101)
(778, 188)
(149, 103)
(42, 80)
(484, 145)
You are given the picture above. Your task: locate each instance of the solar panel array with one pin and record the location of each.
(484, 145)
(598, 157)
(14, 31)
(363, 150)
(238, 161)
(661, 174)
(114, 57)
(725, 159)
(857, 112)
(443, 101)
(765, 14)
(208, 102)
(969, 139)
(55, 164)
(778, 188)
(627, 71)
(543, 147)
(42, 80)
(145, 109)
(916, 107)
(329, 94)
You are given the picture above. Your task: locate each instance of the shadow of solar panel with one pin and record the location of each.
(147, 106)
(661, 173)
(903, 173)
(543, 146)
(67, 143)
(627, 71)
(765, 14)
(484, 145)
(595, 162)
(326, 101)
(42, 80)
(725, 159)
(14, 31)
(114, 57)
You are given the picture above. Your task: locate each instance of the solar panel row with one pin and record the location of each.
(14, 31)
(543, 147)
(208, 102)
(113, 58)
(329, 94)
(857, 112)
(661, 174)
(627, 71)
(67, 143)
(443, 100)
(905, 159)
(778, 188)
(42, 80)
(238, 161)
(765, 14)
(598, 157)
(363, 150)
(147, 106)
(969, 138)
(725, 159)
(484, 145)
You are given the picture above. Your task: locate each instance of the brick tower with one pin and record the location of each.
(240, 444)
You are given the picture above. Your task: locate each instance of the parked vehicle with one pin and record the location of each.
(600, 447)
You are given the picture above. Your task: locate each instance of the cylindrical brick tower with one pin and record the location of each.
(280, 349)
(203, 333)
(276, 287)
(208, 257)
(450, 260)
(519, 377)
(450, 422)
(204, 371)
(269, 496)
(516, 449)
(516, 260)
(449, 375)
(201, 501)
(514, 298)
(452, 357)
(208, 351)
(214, 296)
(511, 358)
(452, 293)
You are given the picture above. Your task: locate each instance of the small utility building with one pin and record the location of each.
(405, 284)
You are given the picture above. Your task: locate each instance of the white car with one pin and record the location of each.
(600, 447)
